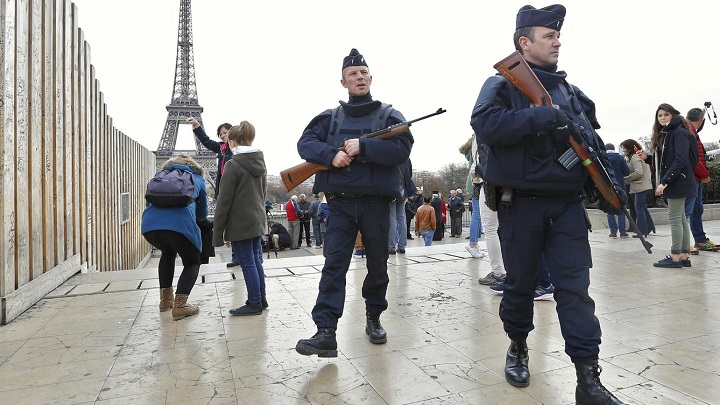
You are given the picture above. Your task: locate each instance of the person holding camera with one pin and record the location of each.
(541, 212)
(279, 236)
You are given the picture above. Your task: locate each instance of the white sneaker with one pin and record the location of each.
(474, 251)
(317, 247)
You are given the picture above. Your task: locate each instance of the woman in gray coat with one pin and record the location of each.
(240, 214)
(640, 184)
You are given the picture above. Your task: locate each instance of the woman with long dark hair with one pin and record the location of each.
(674, 173)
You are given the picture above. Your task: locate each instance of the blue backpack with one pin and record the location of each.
(171, 188)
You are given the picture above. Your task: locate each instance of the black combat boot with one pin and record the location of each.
(323, 344)
(375, 330)
(589, 390)
(516, 364)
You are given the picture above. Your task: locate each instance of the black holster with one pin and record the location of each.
(492, 196)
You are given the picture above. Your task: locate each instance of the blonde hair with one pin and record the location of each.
(243, 134)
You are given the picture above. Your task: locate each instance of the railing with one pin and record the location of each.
(711, 192)
(72, 185)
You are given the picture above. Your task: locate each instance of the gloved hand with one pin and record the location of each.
(608, 208)
(622, 195)
(565, 128)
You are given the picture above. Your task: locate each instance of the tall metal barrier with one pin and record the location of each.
(71, 185)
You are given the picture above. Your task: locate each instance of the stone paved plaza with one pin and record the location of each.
(99, 338)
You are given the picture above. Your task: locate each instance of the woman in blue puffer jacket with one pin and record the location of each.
(174, 230)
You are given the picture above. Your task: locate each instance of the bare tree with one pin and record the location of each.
(453, 176)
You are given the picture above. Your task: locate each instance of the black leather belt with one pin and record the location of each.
(543, 193)
(332, 196)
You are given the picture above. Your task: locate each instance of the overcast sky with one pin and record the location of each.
(277, 63)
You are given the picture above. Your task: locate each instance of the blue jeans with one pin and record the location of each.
(316, 232)
(428, 236)
(249, 254)
(696, 226)
(475, 221)
(690, 204)
(614, 225)
(644, 220)
(398, 225)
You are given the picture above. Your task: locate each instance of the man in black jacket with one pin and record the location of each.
(305, 219)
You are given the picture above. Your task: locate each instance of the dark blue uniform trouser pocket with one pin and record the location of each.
(553, 226)
(370, 216)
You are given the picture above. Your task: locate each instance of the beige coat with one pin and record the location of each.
(639, 177)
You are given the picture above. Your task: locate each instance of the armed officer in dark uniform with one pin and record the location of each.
(362, 179)
(541, 211)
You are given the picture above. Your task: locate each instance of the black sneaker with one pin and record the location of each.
(401, 250)
(323, 344)
(669, 263)
(391, 251)
(498, 288)
(247, 309)
(491, 279)
(686, 263)
(263, 302)
(232, 264)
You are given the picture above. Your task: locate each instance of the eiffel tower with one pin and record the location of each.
(184, 102)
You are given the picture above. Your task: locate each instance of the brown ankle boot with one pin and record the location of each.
(181, 308)
(166, 299)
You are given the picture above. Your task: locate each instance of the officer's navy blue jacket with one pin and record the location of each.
(522, 154)
(376, 170)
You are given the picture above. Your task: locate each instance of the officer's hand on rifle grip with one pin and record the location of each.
(341, 159)
(565, 128)
(352, 146)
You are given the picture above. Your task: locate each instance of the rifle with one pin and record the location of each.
(516, 70)
(295, 175)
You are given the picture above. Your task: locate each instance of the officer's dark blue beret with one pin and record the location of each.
(354, 59)
(550, 16)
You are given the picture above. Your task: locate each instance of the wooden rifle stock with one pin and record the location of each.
(295, 175)
(516, 70)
